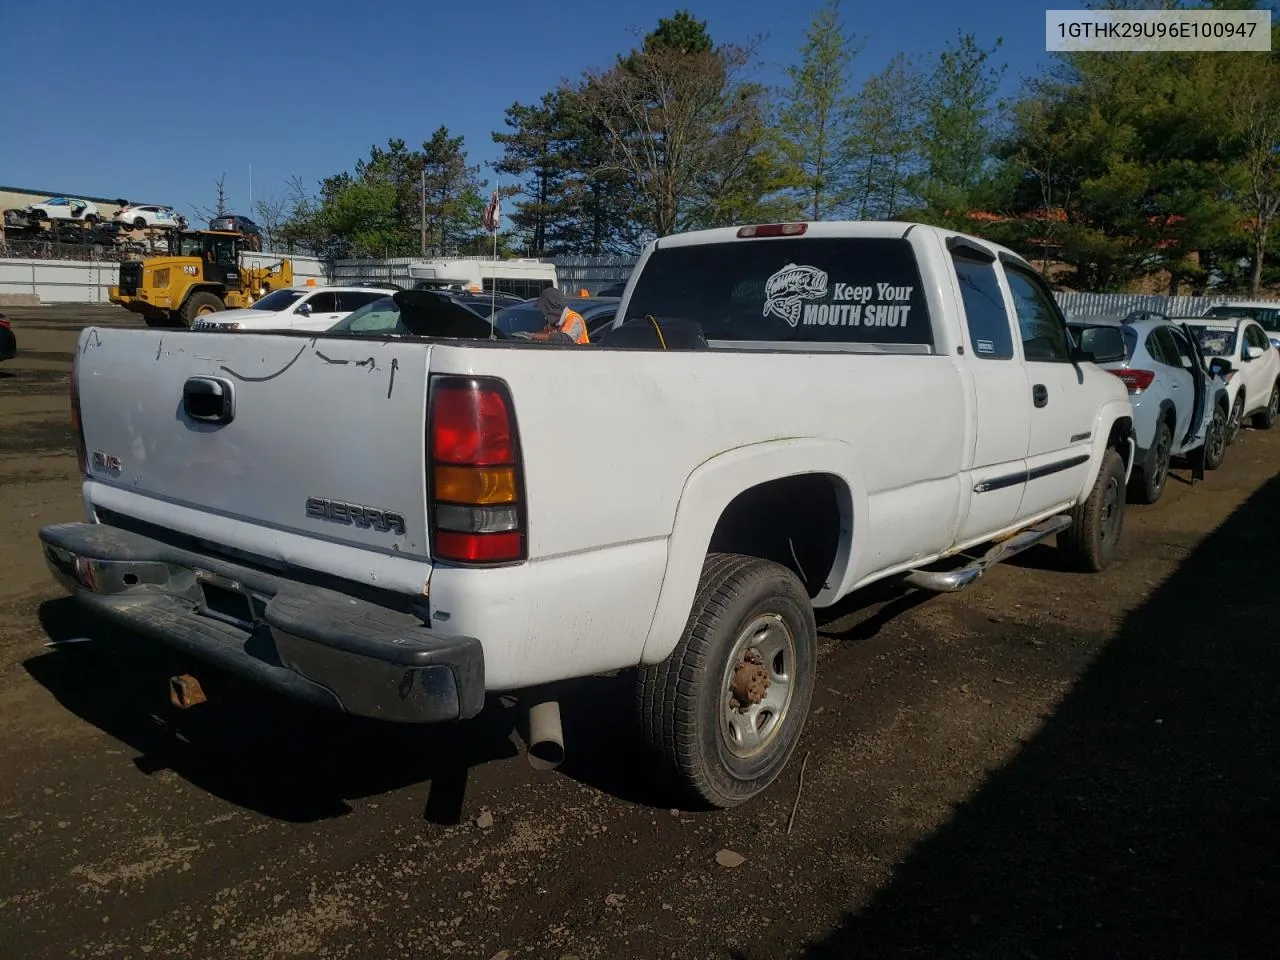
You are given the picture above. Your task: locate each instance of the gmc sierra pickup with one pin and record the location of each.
(399, 525)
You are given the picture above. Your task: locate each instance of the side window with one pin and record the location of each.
(1044, 336)
(1161, 348)
(1255, 337)
(326, 302)
(351, 300)
(984, 308)
(224, 251)
(1185, 356)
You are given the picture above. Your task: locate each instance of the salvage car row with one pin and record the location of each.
(415, 508)
(1192, 382)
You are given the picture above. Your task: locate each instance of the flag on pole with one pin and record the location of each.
(492, 213)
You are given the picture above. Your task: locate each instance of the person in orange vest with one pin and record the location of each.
(564, 324)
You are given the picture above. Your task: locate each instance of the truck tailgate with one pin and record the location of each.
(325, 438)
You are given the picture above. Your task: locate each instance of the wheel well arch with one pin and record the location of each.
(1118, 437)
(798, 521)
(725, 484)
(217, 289)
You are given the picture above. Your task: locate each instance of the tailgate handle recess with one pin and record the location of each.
(209, 399)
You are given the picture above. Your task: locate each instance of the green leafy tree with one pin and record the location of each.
(676, 113)
(454, 204)
(535, 150)
(957, 133)
(817, 114)
(883, 145)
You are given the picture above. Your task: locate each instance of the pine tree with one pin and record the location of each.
(817, 114)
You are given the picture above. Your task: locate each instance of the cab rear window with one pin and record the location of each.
(802, 289)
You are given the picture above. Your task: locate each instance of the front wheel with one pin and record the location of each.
(198, 304)
(1265, 419)
(1236, 419)
(1215, 440)
(1091, 540)
(724, 712)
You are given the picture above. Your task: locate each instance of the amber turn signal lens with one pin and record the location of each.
(475, 485)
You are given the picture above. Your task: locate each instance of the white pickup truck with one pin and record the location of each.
(399, 525)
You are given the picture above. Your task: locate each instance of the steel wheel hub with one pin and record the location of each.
(757, 685)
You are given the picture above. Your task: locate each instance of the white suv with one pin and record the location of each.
(294, 308)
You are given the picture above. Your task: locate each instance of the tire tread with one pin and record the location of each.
(667, 692)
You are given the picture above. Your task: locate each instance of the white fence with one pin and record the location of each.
(74, 281)
(1118, 304)
(58, 281)
(573, 273)
(395, 270)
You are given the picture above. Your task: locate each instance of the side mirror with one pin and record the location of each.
(1252, 353)
(1220, 366)
(1102, 345)
(304, 310)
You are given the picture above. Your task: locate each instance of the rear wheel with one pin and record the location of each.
(1091, 540)
(1264, 419)
(724, 712)
(1149, 483)
(197, 305)
(139, 223)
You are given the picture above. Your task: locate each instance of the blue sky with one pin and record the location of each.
(189, 91)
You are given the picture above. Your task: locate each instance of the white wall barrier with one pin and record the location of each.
(88, 281)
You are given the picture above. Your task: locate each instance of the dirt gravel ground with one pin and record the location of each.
(1047, 765)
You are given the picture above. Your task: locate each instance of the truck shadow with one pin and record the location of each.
(298, 763)
(1141, 820)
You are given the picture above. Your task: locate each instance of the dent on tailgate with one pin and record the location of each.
(325, 437)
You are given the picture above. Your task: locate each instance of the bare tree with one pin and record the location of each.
(219, 209)
(271, 213)
(674, 118)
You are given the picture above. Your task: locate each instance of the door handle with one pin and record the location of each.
(209, 400)
(1039, 395)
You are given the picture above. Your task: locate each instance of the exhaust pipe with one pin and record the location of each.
(546, 736)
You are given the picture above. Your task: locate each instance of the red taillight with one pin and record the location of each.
(477, 548)
(77, 426)
(470, 425)
(1135, 380)
(773, 230)
(474, 473)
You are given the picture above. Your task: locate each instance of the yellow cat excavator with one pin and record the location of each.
(203, 274)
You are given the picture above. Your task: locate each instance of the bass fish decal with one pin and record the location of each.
(786, 291)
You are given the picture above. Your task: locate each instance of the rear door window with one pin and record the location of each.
(326, 302)
(349, 300)
(1160, 346)
(984, 309)
(794, 289)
